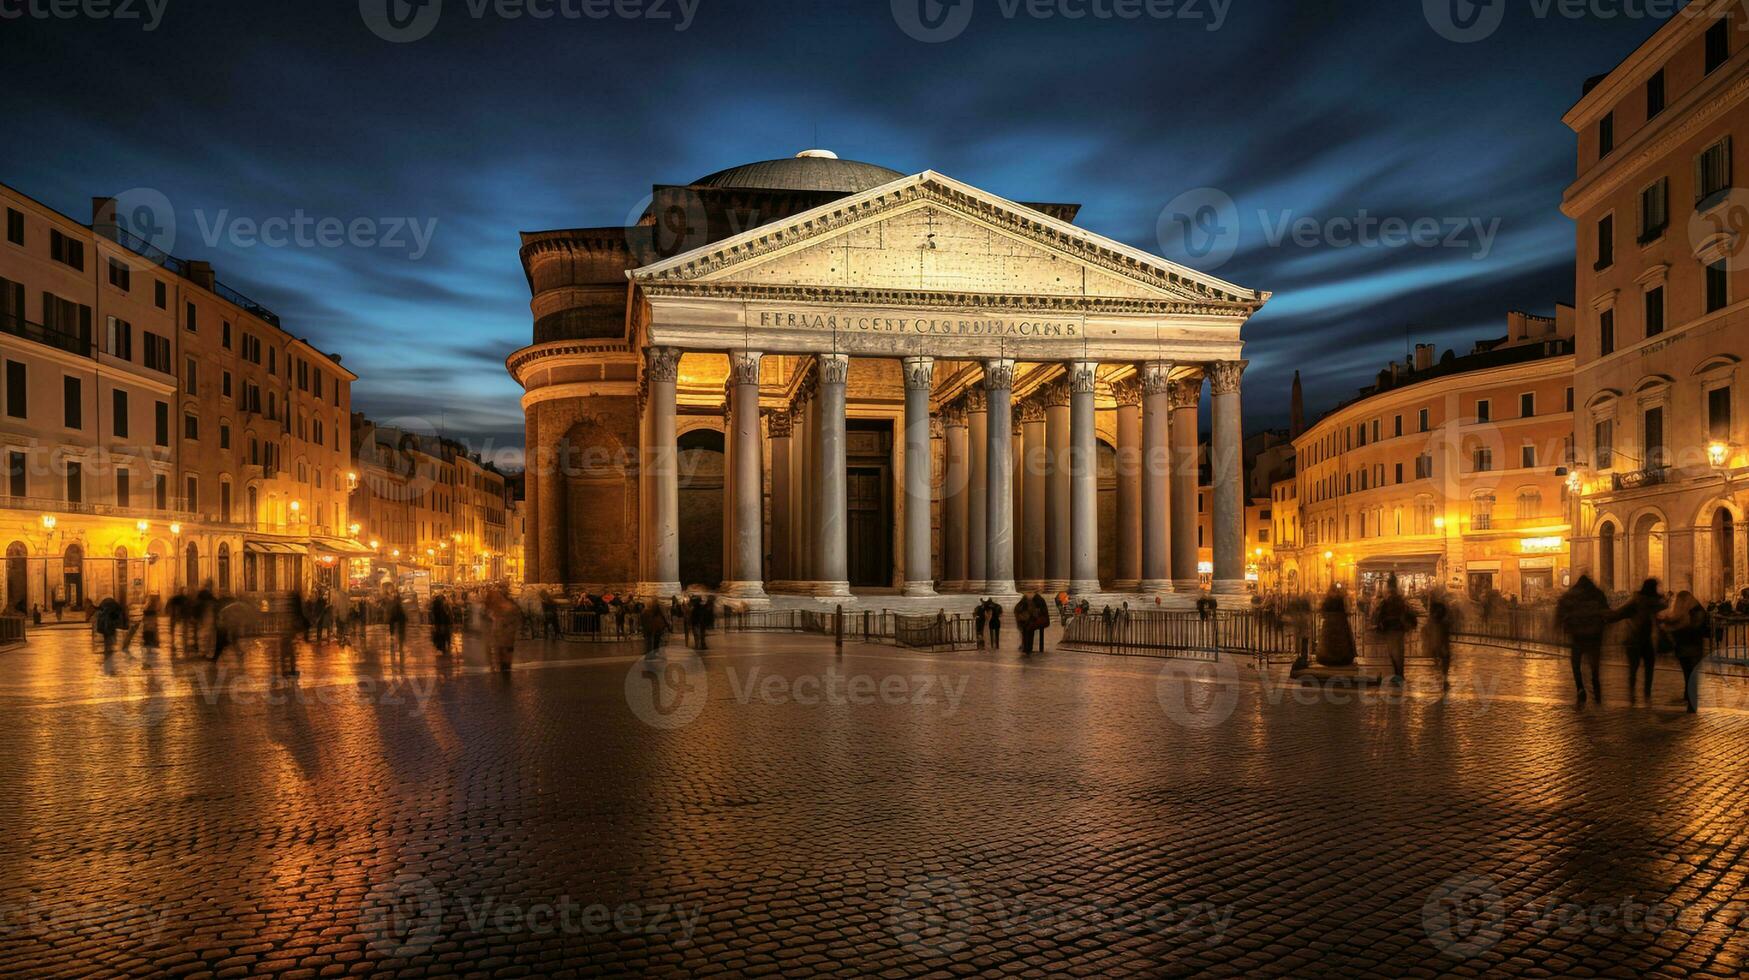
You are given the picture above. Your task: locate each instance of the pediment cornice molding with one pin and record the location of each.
(1607, 179)
(931, 188)
(937, 300)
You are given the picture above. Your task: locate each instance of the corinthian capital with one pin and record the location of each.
(953, 415)
(1127, 392)
(1224, 376)
(834, 368)
(744, 367)
(1083, 377)
(1187, 392)
(999, 374)
(1057, 394)
(920, 373)
(976, 401)
(662, 364)
(1156, 377)
(779, 424)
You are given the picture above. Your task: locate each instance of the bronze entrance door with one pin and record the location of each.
(869, 518)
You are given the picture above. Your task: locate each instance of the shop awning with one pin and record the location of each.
(1424, 564)
(274, 548)
(341, 547)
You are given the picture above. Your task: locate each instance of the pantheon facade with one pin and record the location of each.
(808, 376)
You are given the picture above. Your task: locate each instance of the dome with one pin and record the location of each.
(809, 170)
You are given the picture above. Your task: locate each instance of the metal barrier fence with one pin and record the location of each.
(935, 632)
(11, 629)
(1533, 632)
(1242, 633)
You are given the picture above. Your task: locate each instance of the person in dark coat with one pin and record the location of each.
(655, 624)
(442, 625)
(109, 620)
(1641, 613)
(993, 618)
(1436, 636)
(1023, 624)
(1687, 622)
(1335, 636)
(1581, 613)
(1041, 620)
(1394, 619)
(981, 621)
(149, 623)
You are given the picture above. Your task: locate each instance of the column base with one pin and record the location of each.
(1052, 586)
(1183, 585)
(1127, 585)
(954, 587)
(832, 590)
(742, 590)
(919, 590)
(974, 585)
(1229, 586)
(1085, 587)
(658, 590)
(1002, 591)
(1031, 585)
(1155, 586)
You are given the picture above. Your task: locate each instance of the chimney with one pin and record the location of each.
(1423, 357)
(201, 273)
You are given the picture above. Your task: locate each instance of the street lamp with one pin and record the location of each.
(1718, 454)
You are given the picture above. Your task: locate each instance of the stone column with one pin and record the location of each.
(1083, 479)
(1157, 488)
(998, 456)
(1032, 526)
(919, 382)
(662, 535)
(977, 488)
(1186, 394)
(955, 547)
(728, 524)
(1129, 484)
(1017, 454)
(779, 426)
(831, 558)
(1059, 534)
(1227, 463)
(749, 466)
(801, 537)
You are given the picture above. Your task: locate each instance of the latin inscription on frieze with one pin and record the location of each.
(918, 326)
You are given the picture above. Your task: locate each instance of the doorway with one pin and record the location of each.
(869, 506)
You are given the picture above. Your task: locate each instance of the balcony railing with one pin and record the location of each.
(1496, 522)
(147, 250)
(46, 505)
(17, 326)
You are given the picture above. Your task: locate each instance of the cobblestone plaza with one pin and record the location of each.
(775, 806)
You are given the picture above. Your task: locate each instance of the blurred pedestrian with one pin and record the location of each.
(1393, 620)
(1581, 614)
(1041, 620)
(1023, 624)
(1641, 614)
(1335, 635)
(1436, 636)
(1686, 623)
(981, 621)
(655, 624)
(110, 619)
(442, 624)
(993, 618)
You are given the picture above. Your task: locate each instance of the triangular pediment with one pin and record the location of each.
(929, 233)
